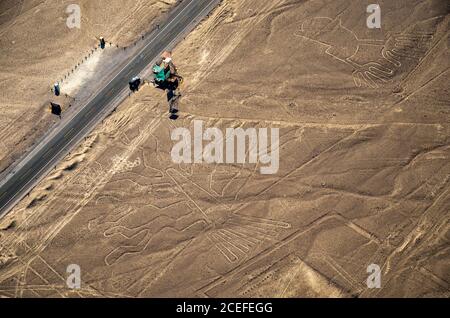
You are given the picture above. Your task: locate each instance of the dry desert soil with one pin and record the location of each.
(364, 175)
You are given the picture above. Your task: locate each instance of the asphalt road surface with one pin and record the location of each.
(43, 158)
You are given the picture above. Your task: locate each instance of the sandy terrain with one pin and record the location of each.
(37, 49)
(364, 172)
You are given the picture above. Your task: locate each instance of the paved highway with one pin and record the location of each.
(40, 161)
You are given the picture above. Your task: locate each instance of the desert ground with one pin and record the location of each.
(364, 174)
(37, 49)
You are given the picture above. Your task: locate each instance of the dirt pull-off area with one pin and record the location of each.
(37, 49)
(364, 172)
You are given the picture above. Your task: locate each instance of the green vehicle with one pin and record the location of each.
(160, 73)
